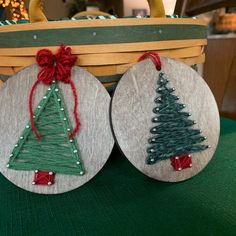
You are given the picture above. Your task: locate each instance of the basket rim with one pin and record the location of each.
(100, 23)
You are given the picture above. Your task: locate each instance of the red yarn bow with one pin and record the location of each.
(58, 68)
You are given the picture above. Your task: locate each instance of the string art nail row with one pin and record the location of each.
(55, 132)
(165, 119)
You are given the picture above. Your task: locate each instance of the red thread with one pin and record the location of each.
(75, 110)
(154, 57)
(43, 178)
(181, 162)
(58, 68)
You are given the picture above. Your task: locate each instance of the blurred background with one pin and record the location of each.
(219, 69)
(68, 8)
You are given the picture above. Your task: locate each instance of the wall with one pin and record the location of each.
(117, 5)
(137, 4)
(143, 4)
(56, 8)
(53, 8)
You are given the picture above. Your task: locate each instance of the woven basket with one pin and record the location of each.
(107, 48)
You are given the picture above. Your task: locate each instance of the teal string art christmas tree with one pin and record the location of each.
(173, 136)
(55, 152)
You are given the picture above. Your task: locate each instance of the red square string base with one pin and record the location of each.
(181, 162)
(43, 178)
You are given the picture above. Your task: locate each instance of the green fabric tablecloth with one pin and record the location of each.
(122, 201)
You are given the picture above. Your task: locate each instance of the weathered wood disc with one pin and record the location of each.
(132, 113)
(95, 139)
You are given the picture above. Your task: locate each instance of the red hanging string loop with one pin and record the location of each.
(57, 68)
(154, 57)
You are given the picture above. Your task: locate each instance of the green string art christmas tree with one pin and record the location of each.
(55, 152)
(173, 136)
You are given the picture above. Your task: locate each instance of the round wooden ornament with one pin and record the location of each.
(165, 122)
(55, 164)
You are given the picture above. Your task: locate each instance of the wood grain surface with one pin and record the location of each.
(108, 48)
(132, 107)
(108, 70)
(95, 139)
(196, 7)
(220, 73)
(228, 108)
(106, 58)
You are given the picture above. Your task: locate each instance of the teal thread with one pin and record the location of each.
(55, 152)
(173, 133)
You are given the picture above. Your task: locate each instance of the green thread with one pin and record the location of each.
(55, 152)
(173, 134)
(4, 78)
